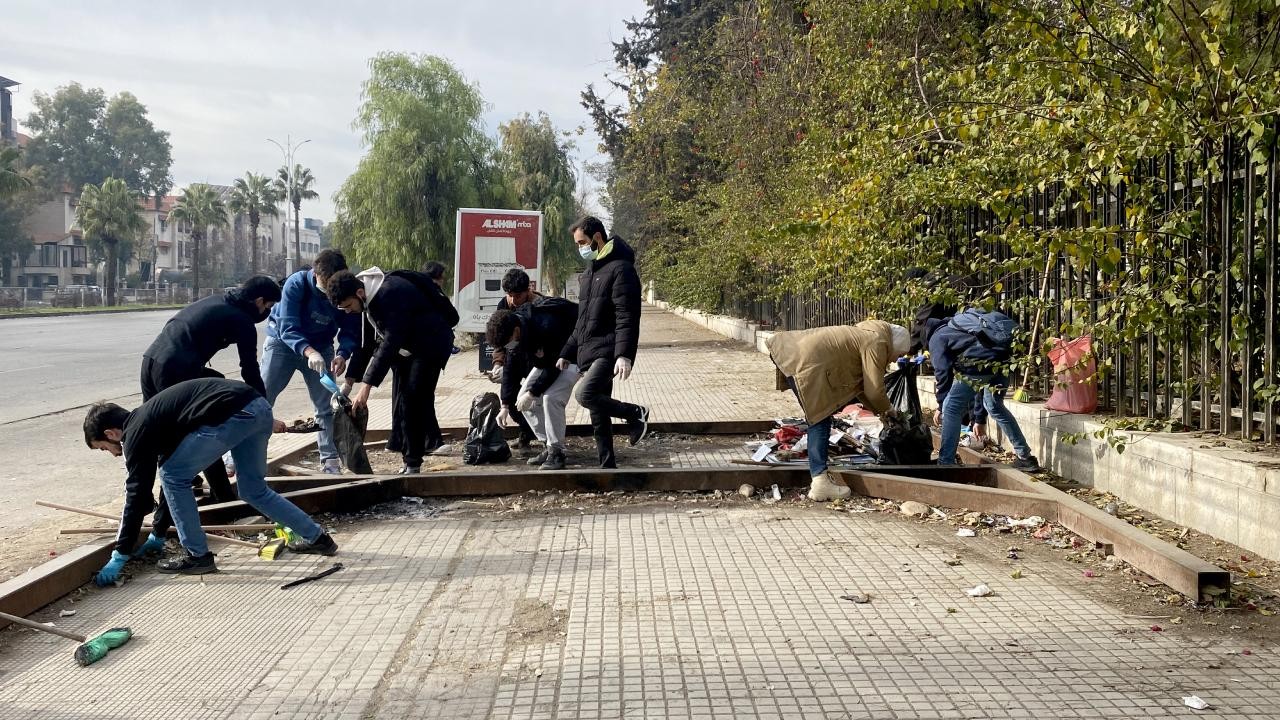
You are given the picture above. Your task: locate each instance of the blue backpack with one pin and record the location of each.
(993, 329)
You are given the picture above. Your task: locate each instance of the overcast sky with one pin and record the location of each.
(221, 78)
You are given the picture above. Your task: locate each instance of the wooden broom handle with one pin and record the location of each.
(44, 628)
(1035, 326)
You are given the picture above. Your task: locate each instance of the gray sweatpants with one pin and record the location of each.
(546, 417)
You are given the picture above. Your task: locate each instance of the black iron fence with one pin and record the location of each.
(1176, 282)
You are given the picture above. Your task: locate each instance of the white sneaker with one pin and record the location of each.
(822, 489)
(331, 467)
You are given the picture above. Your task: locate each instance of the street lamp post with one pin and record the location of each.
(287, 150)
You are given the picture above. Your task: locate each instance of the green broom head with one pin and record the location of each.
(96, 648)
(288, 534)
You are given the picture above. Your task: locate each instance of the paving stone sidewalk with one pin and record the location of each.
(670, 609)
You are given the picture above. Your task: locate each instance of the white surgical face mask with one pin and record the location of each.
(586, 252)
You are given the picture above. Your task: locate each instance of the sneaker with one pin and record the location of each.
(539, 458)
(555, 461)
(188, 564)
(1028, 464)
(639, 427)
(410, 470)
(822, 489)
(331, 467)
(323, 545)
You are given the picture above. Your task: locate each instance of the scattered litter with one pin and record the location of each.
(951, 611)
(761, 453)
(1034, 521)
(1156, 628)
(953, 562)
(746, 490)
(1195, 703)
(1016, 574)
(312, 578)
(414, 500)
(980, 591)
(67, 613)
(1089, 573)
(914, 509)
(860, 598)
(939, 514)
(966, 532)
(1112, 508)
(1246, 651)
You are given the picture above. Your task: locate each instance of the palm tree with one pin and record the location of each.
(12, 181)
(108, 214)
(201, 208)
(294, 187)
(254, 195)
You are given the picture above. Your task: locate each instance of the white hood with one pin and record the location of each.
(372, 279)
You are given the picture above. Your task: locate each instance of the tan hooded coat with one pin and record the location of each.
(832, 366)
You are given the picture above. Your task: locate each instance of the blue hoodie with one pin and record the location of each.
(952, 350)
(304, 317)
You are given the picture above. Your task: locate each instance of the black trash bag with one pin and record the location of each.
(485, 441)
(905, 439)
(349, 426)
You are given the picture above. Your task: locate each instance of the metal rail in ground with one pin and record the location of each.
(983, 487)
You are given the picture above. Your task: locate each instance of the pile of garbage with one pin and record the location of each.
(858, 436)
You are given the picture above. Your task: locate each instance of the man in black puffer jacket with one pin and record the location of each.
(604, 341)
(538, 330)
(412, 321)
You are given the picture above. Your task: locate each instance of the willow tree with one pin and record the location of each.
(427, 155)
(535, 159)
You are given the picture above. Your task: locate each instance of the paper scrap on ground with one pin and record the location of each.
(966, 532)
(979, 591)
(1195, 703)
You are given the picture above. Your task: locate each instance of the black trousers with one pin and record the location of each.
(595, 393)
(414, 426)
(156, 377)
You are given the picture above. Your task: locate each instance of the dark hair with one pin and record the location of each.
(101, 418)
(342, 285)
(433, 270)
(502, 325)
(260, 286)
(328, 262)
(590, 225)
(515, 281)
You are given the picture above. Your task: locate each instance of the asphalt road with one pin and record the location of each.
(51, 370)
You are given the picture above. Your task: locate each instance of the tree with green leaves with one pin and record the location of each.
(427, 155)
(293, 185)
(254, 195)
(12, 179)
(202, 209)
(83, 138)
(535, 159)
(109, 217)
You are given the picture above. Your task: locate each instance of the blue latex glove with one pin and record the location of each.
(111, 571)
(152, 545)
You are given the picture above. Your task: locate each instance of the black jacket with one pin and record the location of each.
(545, 326)
(608, 324)
(153, 431)
(409, 315)
(193, 336)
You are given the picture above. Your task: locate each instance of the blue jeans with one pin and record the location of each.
(245, 435)
(819, 442)
(959, 400)
(279, 362)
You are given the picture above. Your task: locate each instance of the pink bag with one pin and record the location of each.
(1075, 390)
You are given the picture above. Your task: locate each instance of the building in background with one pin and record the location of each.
(8, 131)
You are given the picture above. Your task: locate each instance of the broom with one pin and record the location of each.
(90, 651)
(1021, 394)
